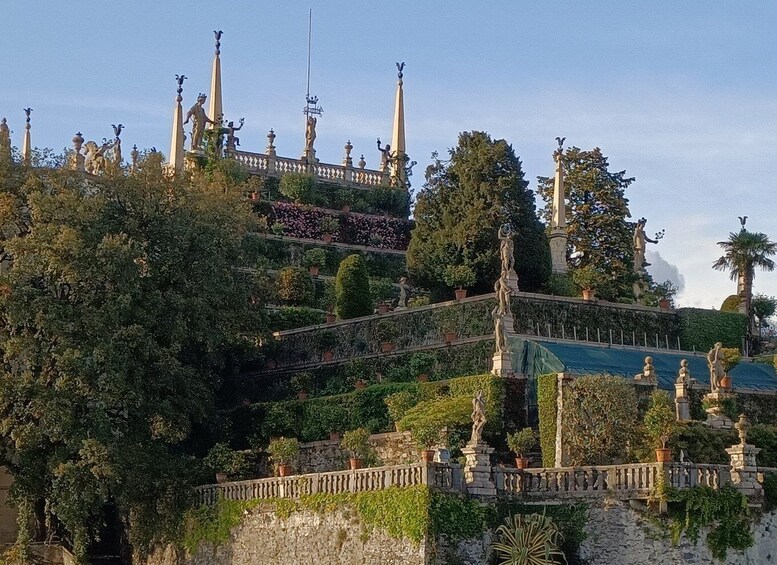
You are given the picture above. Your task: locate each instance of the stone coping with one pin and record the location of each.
(322, 243)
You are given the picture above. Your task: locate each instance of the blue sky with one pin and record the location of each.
(680, 95)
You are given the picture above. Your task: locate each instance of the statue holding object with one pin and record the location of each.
(199, 119)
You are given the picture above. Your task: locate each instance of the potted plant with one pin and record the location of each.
(382, 292)
(302, 383)
(331, 317)
(521, 442)
(327, 342)
(399, 403)
(387, 332)
(282, 452)
(665, 292)
(358, 443)
(313, 259)
(277, 228)
(421, 364)
(329, 226)
(226, 463)
(660, 424)
(360, 384)
(459, 276)
(731, 358)
(448, 320)
(426, 437)
(587, 278)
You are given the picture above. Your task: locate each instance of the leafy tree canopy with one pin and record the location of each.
(122, 306)
(458, 212)
(597, 209)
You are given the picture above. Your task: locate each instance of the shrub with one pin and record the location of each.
(528, 539)
(222, 459)
(731, 303)
(295, 286)
(459, 276)
(382, 290)
(352, 288)
(588, 277)
(700, 329)
(422, 363)
(277, 228)
(599, 420)
(329, 225)
(283, 450)
(399, 403)
(522, 441)
(290, 317)
(660, 420)
(297, 187)
(302, 382)
(314, 257)
(427, 419)
(357, 442)
(559, 284)
(387, 330)
(547, 392)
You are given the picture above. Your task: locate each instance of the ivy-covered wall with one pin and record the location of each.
(547, 394)
(700, 329)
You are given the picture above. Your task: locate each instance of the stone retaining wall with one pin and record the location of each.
(395, 448)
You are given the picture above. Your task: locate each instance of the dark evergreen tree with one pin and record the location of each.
(460, 209)
(597, 212)
(352, 288)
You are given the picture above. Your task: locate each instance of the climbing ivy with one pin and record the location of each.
(547, 391)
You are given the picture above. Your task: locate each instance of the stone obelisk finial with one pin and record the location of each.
(176, 144)
(558, 218)
(215, 111)
(26, 144)
(399, 154)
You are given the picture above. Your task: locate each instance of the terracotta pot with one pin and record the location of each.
(328, 355)
(461, 293)
(253, 196)
(327, 237)
(521, 462)
(284, 470)
(355, 463)
(360, 384)
(334, 436)
(725, 382)
(422, 378)
(663, 455)
(588, 294)
(386, 347)
(345, 209)
(331, 317)
(302, 395)
(383, 308)
(313, 270)
(664, 304)
(450, 336)
(270, 364)
(221, 478)
(427, 455)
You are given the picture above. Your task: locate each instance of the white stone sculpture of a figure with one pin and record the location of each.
(5, 135)
(506, 248)
(640, 240)
(715, 363)
(402, 303)
(197, 114)
(502, 291)
(478, 418)
(310, 135)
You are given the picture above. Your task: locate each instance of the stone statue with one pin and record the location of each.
(715, 363)
(94, 160)
(499, 335)
(506, 248)
(648, 372)
(117, 129)
(478, 418)
(385, 156)
(232, 140)
(502, 291)
(197, 114)
(402, 303)
(310, 135)
(742, 427)
(684, 376)
(640, 240)
(5, 135)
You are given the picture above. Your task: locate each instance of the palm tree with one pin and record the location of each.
(746, 251)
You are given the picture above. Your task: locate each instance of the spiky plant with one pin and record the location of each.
(528, 539)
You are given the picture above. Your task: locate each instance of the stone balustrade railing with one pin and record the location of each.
(338, 174)
(435, 475)
(623, 481)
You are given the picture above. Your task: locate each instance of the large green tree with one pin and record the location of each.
(744, 252)
(123, 305)
(460, 208)
(597, 212)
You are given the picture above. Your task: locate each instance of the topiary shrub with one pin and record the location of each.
(547, 393)
(731, 303)
(314, 257)
(295, 287)
(352, 288)
(357, 442)
(297, 187)
(660, 421)
(459, 276)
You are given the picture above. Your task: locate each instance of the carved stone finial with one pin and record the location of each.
(179, 79)
(78, 142)
(742, 426)
(218, 35)
(362, 163)
(400, 68)
(117, 129)
(271, 142)
(27, 113)
(348, 161)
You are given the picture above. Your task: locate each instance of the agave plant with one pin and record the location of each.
(528, 539)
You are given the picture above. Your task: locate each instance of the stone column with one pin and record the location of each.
(681, 387)
(271, 155)
(348, 162)
(715, 417)
(78, 159)
(744, 468)
(477, 469)
(562, 457)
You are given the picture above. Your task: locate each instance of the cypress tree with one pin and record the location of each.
(352, 288)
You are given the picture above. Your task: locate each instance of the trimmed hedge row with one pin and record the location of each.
(547, 393)
(700, 329)
(290, 317)
(313, 419)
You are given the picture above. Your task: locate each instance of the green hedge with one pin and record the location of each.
(352, 288)
(547, 394)
(700, 329)
(291, 317)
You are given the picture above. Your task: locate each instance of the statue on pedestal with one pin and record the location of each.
(232, 140)
(478, 418)
(385, 156)
(310, 136)
(197, 114)
(402, 303)
(506, 248)
(5, 135)
(715, 363)
(640, 241)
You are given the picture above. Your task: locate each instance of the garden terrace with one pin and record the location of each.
(536, 315)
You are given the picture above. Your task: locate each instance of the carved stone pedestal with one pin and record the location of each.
(682, 410)
(477, 469)
(715, 417)
(512, 281)
(502, 364)
(743, 468)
